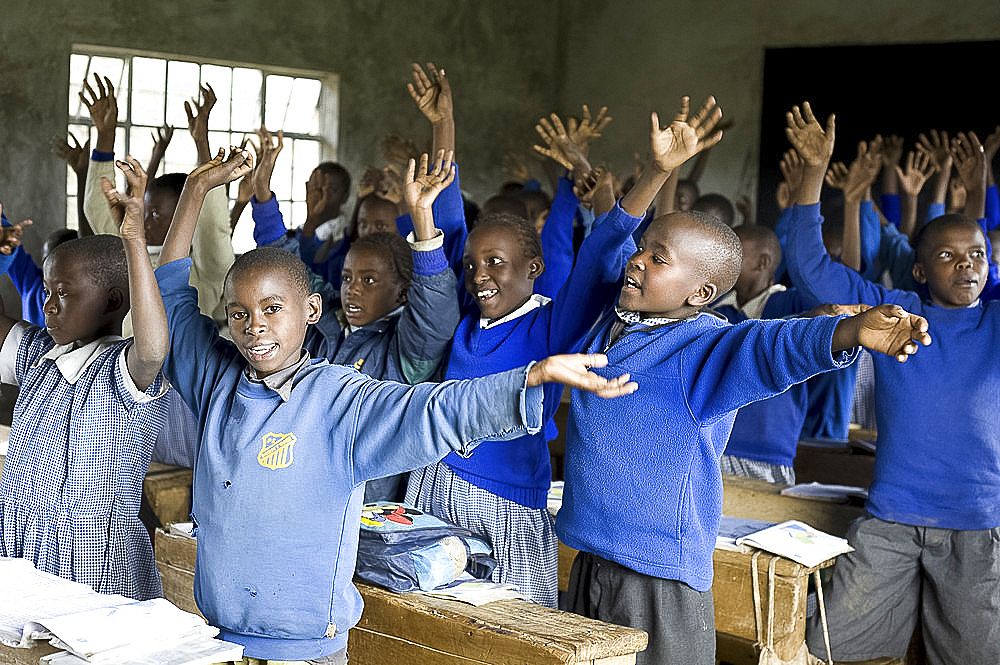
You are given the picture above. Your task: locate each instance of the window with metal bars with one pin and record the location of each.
(151, 89)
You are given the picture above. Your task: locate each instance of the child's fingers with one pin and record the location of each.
(423, 163)
(684, 111)
(411, 169)
(557, 125)
(655, 121)
(187, 111)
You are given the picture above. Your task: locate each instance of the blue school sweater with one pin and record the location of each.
(643, 484)
(521, 472)
(278, 485)
(937, 462)
(407, 347)
(768, 430)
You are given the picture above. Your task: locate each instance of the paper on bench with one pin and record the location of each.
(797, 541)
(826, 492)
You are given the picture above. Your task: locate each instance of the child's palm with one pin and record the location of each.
(220, 169)
(891, 330)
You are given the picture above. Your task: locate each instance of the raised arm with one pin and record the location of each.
(197, 116)
(215, 172)
(102, 105)
(815, 145)
(422, 187)
(10, 240)
(78, 158)
(268, 223)
(938, 149)
(970, 163)
(559, 147)
(670, 147)
(149, 319)
(919, 169)
(161, 139)
(432, 94)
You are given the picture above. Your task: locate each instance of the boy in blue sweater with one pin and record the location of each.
(642, 502)
(288, 441)
(929, 549)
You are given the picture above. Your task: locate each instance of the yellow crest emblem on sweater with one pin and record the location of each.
(276, 451)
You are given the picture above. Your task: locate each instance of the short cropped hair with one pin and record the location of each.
(718, 205)
(103, 255)
(763, 237)
(519, 227)
(335, 169)
(276, 260)
(505, 204)
(721, 258)
(394, 249)
(921, 241)
(173, 182)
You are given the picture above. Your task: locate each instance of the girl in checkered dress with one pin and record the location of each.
(87, 414)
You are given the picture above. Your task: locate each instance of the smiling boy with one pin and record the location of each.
(929, 549)
(643, 494)
(288, 442)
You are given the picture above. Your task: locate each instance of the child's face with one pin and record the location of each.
(268, 316)
(369, 287)
(663, 277)
(498, 276)
(160, 206)
(955, 265)
(76, 308)
(376, 215)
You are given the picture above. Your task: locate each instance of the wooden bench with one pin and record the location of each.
(841, 464)
(413, 628)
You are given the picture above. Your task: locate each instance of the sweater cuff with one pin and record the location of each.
(98, 156)
(6, 260)
(428, 255)
(268, 222)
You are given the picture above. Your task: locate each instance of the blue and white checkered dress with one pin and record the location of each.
(71, 486)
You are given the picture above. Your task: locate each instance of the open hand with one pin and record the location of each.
(573, 370)
(102, 105)
(559, 146)
(919, 169)
(583, 131)
(970, 160)
(431, 93)
(76, 155)
(684, 138)
(813, 143)
(938, 148)
(128, 209)
(892, 150)
(422, 186)
(267, 154)
(198, 116)
(221, 169)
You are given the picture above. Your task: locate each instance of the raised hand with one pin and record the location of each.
(938, 148)
(197, 118)
(431, 93)
(76, 156)
(422, 186)
(864, 169)
(684, 138)
(583, 131)
(970, 159)
(267, 154)
(10, 236)
(791, 166)
(836, 175)
(892, 150)
(103, 108)
(128, 209)
(573, 370)
(813, 143)
(559, 146)
(222, 169)
(397, 150)
(919, 169)
(891, 330)
(392, 184)
(515, 167)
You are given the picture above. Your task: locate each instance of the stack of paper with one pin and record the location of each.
(797, 541)
(101, 628)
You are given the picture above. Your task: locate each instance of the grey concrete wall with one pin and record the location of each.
(643, 55)
(503, 68)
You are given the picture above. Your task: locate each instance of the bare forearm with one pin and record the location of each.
(642, 195)
(845, 335)
(149, 319)
(177, 244)
(851, 253)
(908, 220)
(666, 200)
(444, 136)
(812, 184)
(423, 223)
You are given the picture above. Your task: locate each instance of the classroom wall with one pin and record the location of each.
(644, 55)
(509, 62)
(503, 68)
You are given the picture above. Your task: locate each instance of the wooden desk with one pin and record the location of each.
(761, 500)
(411, 628)
(168, 490)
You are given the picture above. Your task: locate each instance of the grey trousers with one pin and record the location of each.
(680, 621)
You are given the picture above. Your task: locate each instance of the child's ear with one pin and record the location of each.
(117, 298)
(314, 303)
(918, 274)
(536, 267)
(705, 294)
(400, 295)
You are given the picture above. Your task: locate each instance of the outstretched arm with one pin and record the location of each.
(421, 189)
(215, 172)
(888, 329)
(938, 149)
(970, 163)
(918, 169)
(149, 319)
(103, 108)
(198, 121)
(815, 145)
(78, 158)
(573, 370)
